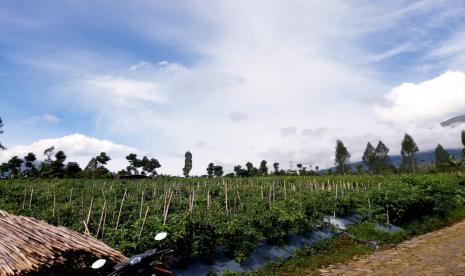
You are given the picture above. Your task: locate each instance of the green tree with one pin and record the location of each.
(382, 159)
(187, 164)
(218, 171)
(91, 168)
(303, 170)
(276, 168)
(263, 169)
(56, 169)
(408, 152)
(342, 158)
(72, 170)
(369, 158)
(1, 132)
(134, 164)
(30, 168)
(96, 166)
(4, 169)
(359, 168)
(14, 166)
(150, 166)
(210, 170)
(442, 159)
(103, 159)
(251, 170)
(48, 153)
(239, 171)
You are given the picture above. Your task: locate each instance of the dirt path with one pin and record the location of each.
(437, 253)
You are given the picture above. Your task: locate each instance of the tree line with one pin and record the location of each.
(375, 160)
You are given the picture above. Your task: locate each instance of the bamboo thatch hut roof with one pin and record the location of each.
(31, 246)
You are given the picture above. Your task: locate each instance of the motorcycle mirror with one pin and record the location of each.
(160, 236)
(98, 263)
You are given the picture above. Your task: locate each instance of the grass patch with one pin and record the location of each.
(310, 258)
(340, 249)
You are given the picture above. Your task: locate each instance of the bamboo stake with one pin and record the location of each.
(141, 204)
(25, 195)
(71, 195)
(86, 229)
(120, 208)
(101, 218)
(54, 200)
(226, 196)
(90, 210)
(167, 207)
(143, 223)
(104, 221)
(269, 198)
(285, 193)
(30, 200)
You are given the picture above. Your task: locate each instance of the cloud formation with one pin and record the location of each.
(46, 117)
(123, 91)
(78, 148)
(427, 103)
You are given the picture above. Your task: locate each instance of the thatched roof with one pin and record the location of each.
(31, 246)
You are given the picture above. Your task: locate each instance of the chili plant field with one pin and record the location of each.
(202, 214)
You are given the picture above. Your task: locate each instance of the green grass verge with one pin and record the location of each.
(341, 249)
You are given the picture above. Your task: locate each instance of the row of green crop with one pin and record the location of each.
(204, 214)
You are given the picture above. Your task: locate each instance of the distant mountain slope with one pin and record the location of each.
(423, 157)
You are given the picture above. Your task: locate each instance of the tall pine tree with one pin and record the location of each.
(382, 161)
(442, 159)
(408, 152)
(187, 164)
(369, 158)
(342, 157)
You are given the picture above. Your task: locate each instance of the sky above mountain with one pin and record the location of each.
(231, 81)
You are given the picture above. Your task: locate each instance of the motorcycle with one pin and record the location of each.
(140, 264)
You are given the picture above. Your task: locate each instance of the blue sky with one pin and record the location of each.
(232, 81)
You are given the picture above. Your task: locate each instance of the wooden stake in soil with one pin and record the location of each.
(226, 196)
(71, 195)
(120, 208)
(54, 200)
(143, 222)
(101, 218)
(30, 200)
(141, 204)
(104, 220)
(167, 207)
(25, 195)
(90, 210)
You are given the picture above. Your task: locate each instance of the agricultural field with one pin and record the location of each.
(202, 214)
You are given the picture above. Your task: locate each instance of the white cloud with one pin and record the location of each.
(46, 117)
(238, 116)
(288, 131)
(123, 91)
(78, 148)
(427, 103)
(139, 65)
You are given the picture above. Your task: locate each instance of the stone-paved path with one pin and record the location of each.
(437, 253)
